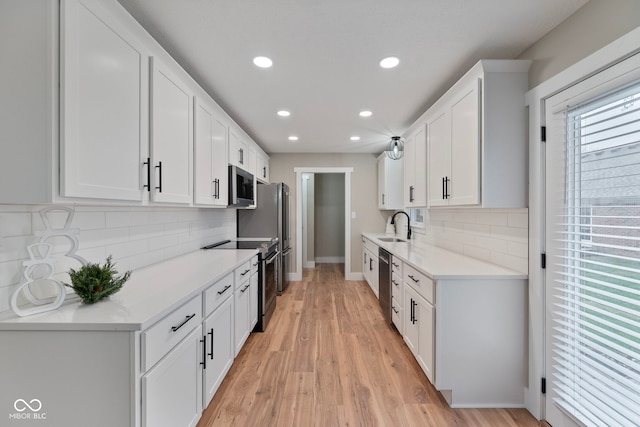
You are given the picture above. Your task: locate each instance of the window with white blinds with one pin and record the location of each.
(596, 326)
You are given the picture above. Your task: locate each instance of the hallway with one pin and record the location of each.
(329, 359)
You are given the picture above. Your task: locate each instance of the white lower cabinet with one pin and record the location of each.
(397, 295)
(171, 389)
(370, 266)
(116, 374)
(242, 297)
(219, 352)
(419, 330)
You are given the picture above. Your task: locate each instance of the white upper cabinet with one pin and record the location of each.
(171, 136)
(262, 169)
(95, 110)
(477, 139)
(238, 151)
(390, 181)
(415, 169)
(210, 156)
(454, 156)
(104, 108)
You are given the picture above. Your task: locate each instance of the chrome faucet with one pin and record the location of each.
(393, 222)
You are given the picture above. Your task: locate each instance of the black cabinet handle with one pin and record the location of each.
(411, 193)
(446, 187)
(411, 312)
(414, 279)
(159, 167)
(204, 352)
(264, 172)
(210, 354)
(383, 199)
(216, 188)
(365, 258)
(395, 265)
(245, 288)
(370, 264)
(394, 310)
(241, 160)
(148, 184)
(175, 328)
(415, 304)
(224, 290)
(394, 282)
(245, 272)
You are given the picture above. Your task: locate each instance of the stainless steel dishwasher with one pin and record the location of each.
(384, 283)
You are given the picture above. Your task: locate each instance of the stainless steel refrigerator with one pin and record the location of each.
(270, 218)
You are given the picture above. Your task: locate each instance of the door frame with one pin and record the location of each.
(600, 60)
(348, 274)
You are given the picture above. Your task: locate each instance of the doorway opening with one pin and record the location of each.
(323, 212)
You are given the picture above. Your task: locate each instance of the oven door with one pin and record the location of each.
(267, 293)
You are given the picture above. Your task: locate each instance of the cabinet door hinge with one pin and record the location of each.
(543, 133)
(543, 385)
(543, 260)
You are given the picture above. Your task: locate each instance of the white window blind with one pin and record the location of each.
(596, 327)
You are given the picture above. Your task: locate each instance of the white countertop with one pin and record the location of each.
(151, 293)
(439, 263)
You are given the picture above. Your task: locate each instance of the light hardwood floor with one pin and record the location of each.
(328, 358)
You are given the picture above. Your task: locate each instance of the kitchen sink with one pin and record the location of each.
(390, 239)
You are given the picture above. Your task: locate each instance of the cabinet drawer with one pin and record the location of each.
(164, 335)
(420, 282)
(370, 245)
(396, 266)
(243, 272)
(396, 314)
(397, 289)
(254, 265)
(217, 293)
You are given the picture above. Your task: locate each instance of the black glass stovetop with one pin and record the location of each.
(242, 244)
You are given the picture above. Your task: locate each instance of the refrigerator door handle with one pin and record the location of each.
(286, 252)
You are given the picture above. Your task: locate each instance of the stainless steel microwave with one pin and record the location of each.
(241, 187)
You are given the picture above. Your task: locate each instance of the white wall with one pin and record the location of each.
(596, 24)
(135, 236)
(364, 186)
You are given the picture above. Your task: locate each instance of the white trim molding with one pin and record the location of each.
(615, 52)
(297, 275)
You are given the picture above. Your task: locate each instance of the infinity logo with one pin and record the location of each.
(21, 405)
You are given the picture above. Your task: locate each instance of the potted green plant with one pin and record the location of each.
(93, 282)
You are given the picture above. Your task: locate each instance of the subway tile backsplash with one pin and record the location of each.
(134, 236)
(498, 236)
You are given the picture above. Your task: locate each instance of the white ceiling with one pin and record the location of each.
(326, 55)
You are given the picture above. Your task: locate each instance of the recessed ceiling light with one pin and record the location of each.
(389, 62)
(262, 62)
(365, 113)
(284, 113)
(355, 138)
(293, 138)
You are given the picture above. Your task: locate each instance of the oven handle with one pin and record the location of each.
(286, 252)
(272, 258)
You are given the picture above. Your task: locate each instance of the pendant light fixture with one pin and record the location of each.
(395, 148)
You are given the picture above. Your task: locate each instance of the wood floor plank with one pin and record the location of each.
(328, 358)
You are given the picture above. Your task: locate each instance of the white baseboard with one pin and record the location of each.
(309, 264)
(294, 277)
(330, 259)
(354, 276)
